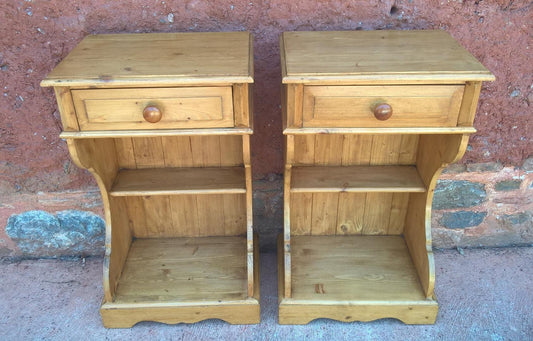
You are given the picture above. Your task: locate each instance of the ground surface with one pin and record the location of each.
(36, 35)
(483, 294)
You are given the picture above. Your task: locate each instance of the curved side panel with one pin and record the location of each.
(435, 152)
(98, 157)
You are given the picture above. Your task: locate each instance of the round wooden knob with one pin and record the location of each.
(383, 111)
(152, 114)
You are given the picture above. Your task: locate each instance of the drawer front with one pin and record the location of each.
(353, 106)
(119, 109)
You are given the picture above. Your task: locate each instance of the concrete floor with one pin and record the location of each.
(483, 295)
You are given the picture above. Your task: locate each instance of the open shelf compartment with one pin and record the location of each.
(353, 268)
(354, 278)
(173, 280)
(200, 269)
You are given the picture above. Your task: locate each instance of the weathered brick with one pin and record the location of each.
(528, 164)
(507, 185)
(4, 251)
(450, 194)
(70, 233)
(484, 167)
(517, 218)
(268, 210)
(462, 219)
(455, 168)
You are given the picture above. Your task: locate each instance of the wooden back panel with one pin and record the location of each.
(179, 151)
(351, 213)
(317, 149)
(186, 215)
(183, 215)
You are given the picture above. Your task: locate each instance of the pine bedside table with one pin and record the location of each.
(163, 122)
(370, 120)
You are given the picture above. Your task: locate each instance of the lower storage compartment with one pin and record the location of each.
(184, 270)
(174, 280)
(353, 278)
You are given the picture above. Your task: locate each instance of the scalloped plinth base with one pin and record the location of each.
(424, 312)
(116, 316)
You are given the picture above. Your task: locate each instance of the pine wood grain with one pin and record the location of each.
(356, 183)
(299, 311)
(352, 106)
(121, 238)
(154, 132)
(125, 153)
(435, 153)
(326, 152)
(301, 208)
(159, 270)
(109, 60)
(177, 151)
(355, 150)
(356, 179)
(187, 107)
(210, 213)
(304, 150)
(205, 151)
(251, 241)
(350, 213)
(185, 176)
(412, 312)
(235, 215)
(241, 103)
(136, 216)
(469, 104)
(148, 152)
(98, 156)
(293, 95)
(352, 56)
(157, 213)
(350, 130)
(164, 281)
(66, 108)
(398, 212)
(324, 213)
(353, 268)
(231, 150)
(183, 218)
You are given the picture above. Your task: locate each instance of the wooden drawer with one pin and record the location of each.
(352, 106)
(185, 107)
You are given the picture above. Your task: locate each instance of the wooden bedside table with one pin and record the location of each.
(163, 122)
(370, 120)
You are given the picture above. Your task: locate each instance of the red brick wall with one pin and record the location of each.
(36, 35)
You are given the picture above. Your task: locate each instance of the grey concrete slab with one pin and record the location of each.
(484, 295)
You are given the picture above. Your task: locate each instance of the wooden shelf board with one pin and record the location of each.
(169, 181)
(381, 130)
(356, 179)
(95, 134)
(344, 269)
(170, 271)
